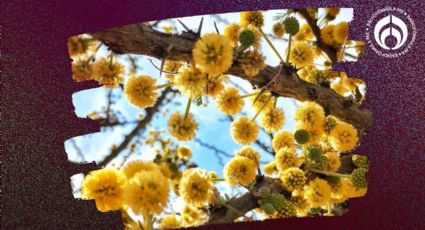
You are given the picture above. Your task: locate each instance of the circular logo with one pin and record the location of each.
(390, 32)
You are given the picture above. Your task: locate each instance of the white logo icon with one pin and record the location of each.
(394, 23)
(399, 33)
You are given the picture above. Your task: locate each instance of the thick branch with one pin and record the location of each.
(329, 50)
(150, 112)
(141, 39)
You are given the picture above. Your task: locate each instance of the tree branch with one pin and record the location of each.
(141, 39)
(150, 112)
(329, 50)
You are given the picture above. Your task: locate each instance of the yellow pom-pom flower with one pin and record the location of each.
(136, 166)
(252, 63)
(333, 12)
(278, 30)
(286, 158)
(293, 178)
(270, 168)
(250, 153)
(283, 139)
(301, 54)
(214, 85)
(79, 45)
(190, 82)
(272, 119)
(304, 33)
(254, 18)
(231, 32)
(311, 117)
(326, 33)
(106, 187)
(184, 152)
(340, 32)
(318, 192)
(147, 192)
(229, 101)
(213, 54)
(192, 216)
(261, 100)
(170, 222)
(107, 73)
(343, 137)
(141, 91)
(195, 187)
(334, 161)
(183, 129)
(244, 131)
(81, 71)
(240, 170)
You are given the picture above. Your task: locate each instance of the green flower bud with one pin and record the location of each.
(246, 37)
(360, 161)
(358, 178)
(268, 208)
(301, 136)
(314, 153)
(291, 25)
(288, 210)
(277, 199)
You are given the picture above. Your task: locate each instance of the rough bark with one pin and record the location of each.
(141, 39)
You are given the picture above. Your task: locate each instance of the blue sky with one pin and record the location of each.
(211, 130)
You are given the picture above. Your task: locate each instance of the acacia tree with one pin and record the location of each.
(313, 171)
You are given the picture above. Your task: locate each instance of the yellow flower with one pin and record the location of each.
(326, 33)
(250, 153)
(213, 54)
(106, 187)
(214, 85)
(192, 216)
(252, 63)
(147, 192)
(359, 46)
(231, 32)
(343, 137)
(302, 206)
(81, 70)
(141, 91)
(190, 82)
(304, 33)
(172, 66)
(340, 32)
(240, 170)
(261, 100)
(293, 178)
(310, 116)
(270, 168)
(136, 166)
(183, 129)
(107, 73)
(244, 131)
(254, 18)
(352, 191)
(333, 12)
(286, 158)
(229, 101)
(278, 30)
(79, 45)
(334, 161)
(169, 222)
(195, 187)
(184, 152)
(318, 192)
(167, 29)
(272, 119)
(301, 54)
(283, 139)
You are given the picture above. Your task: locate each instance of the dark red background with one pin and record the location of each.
(38, 115)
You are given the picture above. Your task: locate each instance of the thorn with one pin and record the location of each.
(200, 27)
(161, 67)
(184, 26)
(216, 28)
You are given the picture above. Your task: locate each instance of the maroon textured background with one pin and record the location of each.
(38, 115)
